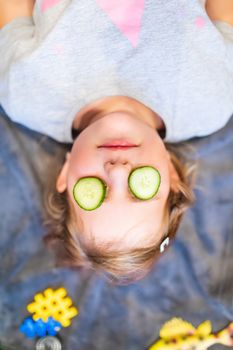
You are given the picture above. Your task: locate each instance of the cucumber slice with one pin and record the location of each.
(144, 182)
(89, 192)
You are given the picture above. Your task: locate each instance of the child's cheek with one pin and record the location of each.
(83, 161)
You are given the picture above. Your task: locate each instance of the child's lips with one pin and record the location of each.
(118, 143)
(114, 148)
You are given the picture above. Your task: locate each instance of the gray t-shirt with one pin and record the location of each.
(168, 55)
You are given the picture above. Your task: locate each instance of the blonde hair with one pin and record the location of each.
(120, 267)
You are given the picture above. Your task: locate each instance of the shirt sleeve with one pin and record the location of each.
(225, 28)
(20, 38)
(227, 32)
(16, 38)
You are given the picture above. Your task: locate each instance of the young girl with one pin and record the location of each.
(118, 78)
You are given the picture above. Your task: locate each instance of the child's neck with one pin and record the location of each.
(93, 111)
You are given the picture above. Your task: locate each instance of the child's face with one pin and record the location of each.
(119, 220)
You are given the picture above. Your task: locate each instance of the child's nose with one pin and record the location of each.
(118, 173)
(111, 165)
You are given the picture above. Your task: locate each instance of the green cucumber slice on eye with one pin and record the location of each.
(144, 182)
(89, 192)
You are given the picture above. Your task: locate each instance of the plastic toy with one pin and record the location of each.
(55, 304)
(177, 334)
(48, 343)
(53, 327)
(32, 329)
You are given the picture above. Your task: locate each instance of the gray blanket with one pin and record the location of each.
(194, 279)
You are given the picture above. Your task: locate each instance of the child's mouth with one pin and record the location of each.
(118, 144)
(117, 147)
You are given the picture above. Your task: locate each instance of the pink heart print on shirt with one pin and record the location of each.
(200, 22)
(126, 15)
(47, 4)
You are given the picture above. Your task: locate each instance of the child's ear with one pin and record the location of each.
(61, 183)
(174, 176)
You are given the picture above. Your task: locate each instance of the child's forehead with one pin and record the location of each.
(132, 228)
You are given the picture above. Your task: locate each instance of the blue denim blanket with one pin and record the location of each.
(194, 279)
